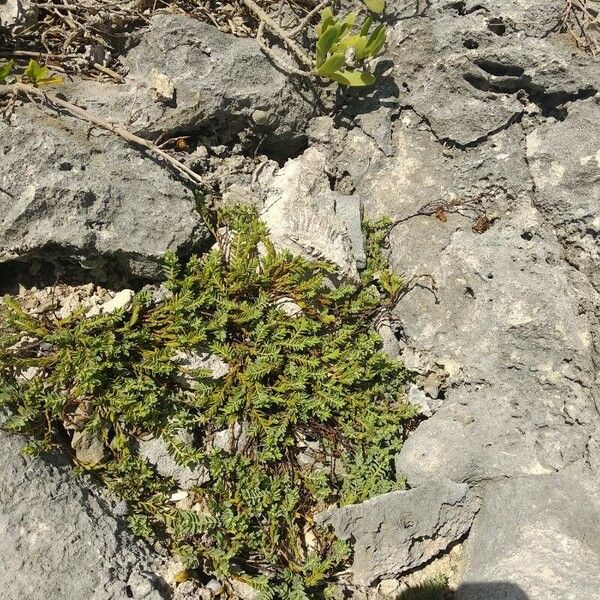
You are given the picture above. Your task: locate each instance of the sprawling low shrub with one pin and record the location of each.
(314, 408)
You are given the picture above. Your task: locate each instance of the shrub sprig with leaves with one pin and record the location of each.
(343, 47)
(318, 380)
(35, 74)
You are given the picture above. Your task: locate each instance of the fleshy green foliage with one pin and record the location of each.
(318, 379)
(342, 48)
(35, 74)
(38, 75)
(376, 6)
(6, 70)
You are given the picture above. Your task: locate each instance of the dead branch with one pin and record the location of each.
(275, 29)
(277, 60)
(308, 18)
(54, 101)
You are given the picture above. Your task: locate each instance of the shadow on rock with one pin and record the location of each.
(357, 101)
(495, 590)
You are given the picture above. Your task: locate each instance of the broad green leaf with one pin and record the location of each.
(376, 41)
(360, 48)
(349, 19)
(327, 20)
(39, 75)
(6, 70)
(353, 78)
(35, 72)
(348, 22)
(376, 6)
(326, 41)
(359, 43)
(332, 64)
(364, 30)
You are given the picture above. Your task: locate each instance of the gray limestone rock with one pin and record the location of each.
(18, 13)
(490, 590)
(468, 68)
(90, 200)
(349, 209)
(60, 541)
(223, 85)
(480, 141)
(508, 330)
(564, 157)
(156, 452)
(300, 213)
(213, 86)
(491, 173)
(545, 540)
(396, 532)
(190, 363)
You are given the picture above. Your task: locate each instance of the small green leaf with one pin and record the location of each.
(348, 22)
(376, 41)
(39, 75)
(364, 30)
(332, 64)
(6, 70)
(353, 78)
(35, 71)
(325, 43)
(327, 20)
(51, 80)
(357, 42)
(376, 6)
(360, 49)
(349, 19)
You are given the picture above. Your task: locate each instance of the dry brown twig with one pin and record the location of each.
(36, 94)
(266, 22)
(582, 22)
(277, 60)
(66, 29)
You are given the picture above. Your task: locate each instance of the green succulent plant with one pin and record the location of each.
(343, 48)
(376, 6)
(40, 75)
(6, 70)
(35, 74)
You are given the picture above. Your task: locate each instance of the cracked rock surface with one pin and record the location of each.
(82, 200)
(75, 197)
(401, 530)
(514, 316)
(480, 145)
(58, 540)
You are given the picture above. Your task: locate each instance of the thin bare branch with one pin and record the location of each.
(308, 18)
(55, 101)
(277, 60)
(274, 28)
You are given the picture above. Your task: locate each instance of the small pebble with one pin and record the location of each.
(215, 586)
(260, 117)
(178, 496)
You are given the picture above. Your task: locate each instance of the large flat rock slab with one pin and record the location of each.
(88, 198)
(399, 531)
(60, 541)
(548, 542)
